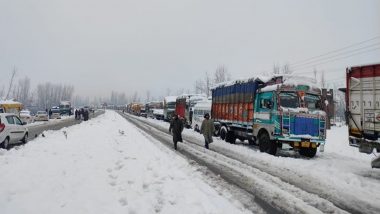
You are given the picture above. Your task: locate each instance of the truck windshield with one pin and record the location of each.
(312, 101)
(171, 105)
(289, 100)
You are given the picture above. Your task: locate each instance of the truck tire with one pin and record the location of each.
(266, 145)
(230, 137)
(308, 152)
(223, 133)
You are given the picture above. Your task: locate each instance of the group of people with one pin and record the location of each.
(207, 129)
(81, 113)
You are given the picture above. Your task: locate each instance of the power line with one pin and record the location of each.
(336, 55)
(337, 50)
(339, 58)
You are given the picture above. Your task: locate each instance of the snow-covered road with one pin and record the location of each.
(105, 165)
(341, 175)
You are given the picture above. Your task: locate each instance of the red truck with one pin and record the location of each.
(363, 108)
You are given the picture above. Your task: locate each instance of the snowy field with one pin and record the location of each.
(341, 173)
(105, 165)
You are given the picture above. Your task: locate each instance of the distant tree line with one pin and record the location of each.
(44, 95)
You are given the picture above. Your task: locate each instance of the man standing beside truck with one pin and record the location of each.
(207, 129)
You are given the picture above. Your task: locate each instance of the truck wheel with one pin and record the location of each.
(223, 133)
(266, 145)
(308, 152)
(231, 138)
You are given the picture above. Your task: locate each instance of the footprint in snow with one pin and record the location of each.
(123, 201)
(112, 176)
(112, 183)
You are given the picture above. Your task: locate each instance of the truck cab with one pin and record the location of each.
(289, 114)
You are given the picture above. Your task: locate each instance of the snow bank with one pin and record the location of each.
(105, 165)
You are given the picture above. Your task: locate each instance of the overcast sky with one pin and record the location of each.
(127, 46)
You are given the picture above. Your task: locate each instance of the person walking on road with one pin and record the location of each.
(207, 129)
(176, 128)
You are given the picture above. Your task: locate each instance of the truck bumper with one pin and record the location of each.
(286, 139)
(364, 145)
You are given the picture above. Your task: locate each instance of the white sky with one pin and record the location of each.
(123, 45)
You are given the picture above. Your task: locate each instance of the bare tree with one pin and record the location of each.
(323, 80)
(276, 69)
(199, 86)
(24, 91)
(135, 97)
(221, 74)
(2, 92)
(148, 96)
(122, 99)
(208, 84)
(180, 91)
(11, 83)
(315, 74)
(168, 91)
(286, 69)
(49, 94)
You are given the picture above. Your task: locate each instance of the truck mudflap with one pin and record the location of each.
(364, 145)
(375, 163)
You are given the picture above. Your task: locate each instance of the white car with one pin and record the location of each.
(12, 130)
(41, 116)
(25, 116)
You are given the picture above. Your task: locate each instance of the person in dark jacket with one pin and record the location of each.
(85, 115)
(207, 129)
(176, 128)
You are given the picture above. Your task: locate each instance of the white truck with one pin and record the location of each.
(363, 108)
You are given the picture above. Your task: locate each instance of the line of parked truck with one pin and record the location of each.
(281, 111)
(276, 112)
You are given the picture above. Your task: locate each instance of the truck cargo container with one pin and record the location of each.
(184, 107)
(271, 112)
(363, 107)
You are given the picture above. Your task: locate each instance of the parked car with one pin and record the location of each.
(55, 113)
(12, 130)
(26, 116)
(41, 116)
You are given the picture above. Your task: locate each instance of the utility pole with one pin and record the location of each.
(11, 83)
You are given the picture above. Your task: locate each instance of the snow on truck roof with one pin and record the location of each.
(9, 102)
(292, 80)
(261, 78)
(170, 98)
(194, 96)
(288, 79)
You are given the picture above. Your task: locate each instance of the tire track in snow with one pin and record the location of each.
(338, 198)
(269, 191)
